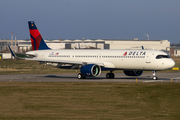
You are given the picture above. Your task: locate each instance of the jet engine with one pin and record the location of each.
(90, 70)
(133, 73)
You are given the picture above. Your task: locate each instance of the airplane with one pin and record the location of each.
(92, 61)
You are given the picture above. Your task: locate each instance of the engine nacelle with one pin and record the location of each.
(133, 73)
(90, 70)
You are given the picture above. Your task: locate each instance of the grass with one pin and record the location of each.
(109, 101)
(84, 100)
(33, 67)
(28, 67)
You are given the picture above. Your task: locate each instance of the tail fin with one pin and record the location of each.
(36, 39)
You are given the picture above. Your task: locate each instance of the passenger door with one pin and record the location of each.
(148, 58)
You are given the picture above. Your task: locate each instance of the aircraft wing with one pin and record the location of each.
(67, 62)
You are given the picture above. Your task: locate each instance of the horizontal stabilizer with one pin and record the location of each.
(12, 53)
(20, 55)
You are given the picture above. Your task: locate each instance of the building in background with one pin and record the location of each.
(25, 45)
(175, 51)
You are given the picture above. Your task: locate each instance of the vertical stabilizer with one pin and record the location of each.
(36, 39)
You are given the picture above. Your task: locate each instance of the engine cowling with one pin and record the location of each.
(90, 70)
(133, 73)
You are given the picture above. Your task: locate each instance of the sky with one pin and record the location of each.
(92, 19)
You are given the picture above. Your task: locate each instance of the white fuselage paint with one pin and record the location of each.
(118, 59)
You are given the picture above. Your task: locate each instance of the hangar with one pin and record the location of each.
(175, 51)
(25, 45)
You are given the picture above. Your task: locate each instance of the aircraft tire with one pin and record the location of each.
(80, 76)
(112, 75)
(155, 78)
(108, 75)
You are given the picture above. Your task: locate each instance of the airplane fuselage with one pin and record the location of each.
(116, 59)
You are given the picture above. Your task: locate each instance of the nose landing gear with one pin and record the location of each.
(154, 75)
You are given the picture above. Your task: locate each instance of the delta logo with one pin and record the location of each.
(134, 53)
(56, 53)
(125, 54)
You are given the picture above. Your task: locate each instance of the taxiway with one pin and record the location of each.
(119, 77)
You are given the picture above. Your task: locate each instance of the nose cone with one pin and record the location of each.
(171, 63)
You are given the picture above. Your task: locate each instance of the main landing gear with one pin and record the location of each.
(110, 75)
(154, 75)
(80, 76)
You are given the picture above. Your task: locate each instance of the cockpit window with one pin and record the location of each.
(162, 56)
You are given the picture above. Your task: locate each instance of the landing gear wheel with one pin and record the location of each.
(155, 78)
(154, 75)
(80, 76)
(110, 75)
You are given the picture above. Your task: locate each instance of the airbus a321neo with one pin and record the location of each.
(92, 61)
